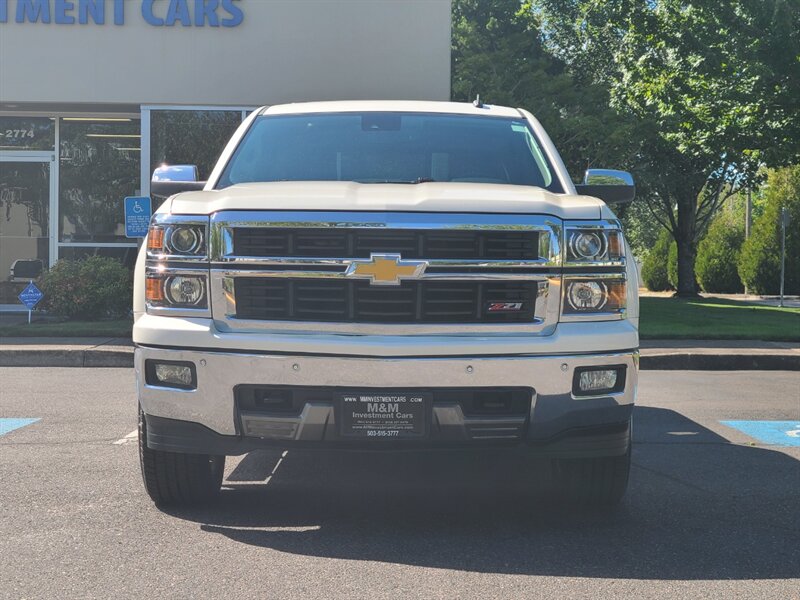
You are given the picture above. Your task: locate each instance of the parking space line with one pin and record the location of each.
(774, 433)
(132, 437)
(8, 425)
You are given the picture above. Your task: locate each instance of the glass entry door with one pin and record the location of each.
(26, 191)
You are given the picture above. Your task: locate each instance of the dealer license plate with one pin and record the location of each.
(384, 415)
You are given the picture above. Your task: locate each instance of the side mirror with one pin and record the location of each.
(611, 186)
(173, 179)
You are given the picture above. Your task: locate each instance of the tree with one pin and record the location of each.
(655, 271)
(713, 85)
(759, 264)
(498, 54)
(642, 230)
(718, 255)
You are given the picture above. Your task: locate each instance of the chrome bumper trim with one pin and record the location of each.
(212, 403)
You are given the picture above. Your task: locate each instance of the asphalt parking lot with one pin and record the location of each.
(712, 510)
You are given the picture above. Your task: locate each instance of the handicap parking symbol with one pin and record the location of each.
(137, 216)
(774, 433)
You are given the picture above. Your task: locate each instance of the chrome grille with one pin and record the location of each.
(288, 271)
(344, 301)
(410, 243)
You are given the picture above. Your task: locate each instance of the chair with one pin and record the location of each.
(26, 269)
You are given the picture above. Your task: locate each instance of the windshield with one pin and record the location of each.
(390, 147)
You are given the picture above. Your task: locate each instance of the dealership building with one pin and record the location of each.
(94, 94)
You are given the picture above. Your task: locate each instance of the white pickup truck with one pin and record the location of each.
(386, 276)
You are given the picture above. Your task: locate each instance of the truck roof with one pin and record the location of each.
(461, 108)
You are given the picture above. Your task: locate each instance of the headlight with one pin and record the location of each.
(594, 245)
(177, 240)
(587, 295)
(185, 291)
(587, 244)
(185, 240)
(176, 291)
(177, 266)
(594, 296)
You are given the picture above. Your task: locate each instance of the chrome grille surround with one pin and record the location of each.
(226, 266)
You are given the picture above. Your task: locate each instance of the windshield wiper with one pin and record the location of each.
(404, 181)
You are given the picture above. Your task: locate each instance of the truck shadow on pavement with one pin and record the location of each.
(698, 507)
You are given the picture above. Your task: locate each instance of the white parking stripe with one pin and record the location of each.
(128, 439)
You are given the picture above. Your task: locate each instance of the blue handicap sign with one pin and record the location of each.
(137, 216)
(774, 433)
(31, 296)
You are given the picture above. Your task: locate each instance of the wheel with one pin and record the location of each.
(599, 482)
(178, 479)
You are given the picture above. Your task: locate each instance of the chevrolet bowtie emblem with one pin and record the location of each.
(386, 269)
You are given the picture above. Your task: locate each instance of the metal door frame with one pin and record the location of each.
(42, 156)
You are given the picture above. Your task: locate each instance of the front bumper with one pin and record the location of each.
(208, 419)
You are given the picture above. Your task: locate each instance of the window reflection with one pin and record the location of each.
(24, 214)
(100, 166)
(191, 137)
(127, 256)
(27, 133)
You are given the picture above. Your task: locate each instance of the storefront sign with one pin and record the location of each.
(158, 13)
(26, 133)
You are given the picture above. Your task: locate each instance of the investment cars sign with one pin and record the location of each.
(206, 52)
(158, 13)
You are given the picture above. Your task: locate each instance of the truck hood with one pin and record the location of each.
(420, 197)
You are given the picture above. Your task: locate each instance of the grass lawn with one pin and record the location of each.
(661, 318)
(121, 328)
(716, 319)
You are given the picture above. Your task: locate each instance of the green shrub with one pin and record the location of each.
(672, 265)
(760, 259)
(718, 256)
(90, 289)
(654, 267)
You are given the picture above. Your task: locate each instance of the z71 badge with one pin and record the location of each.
(504, 306)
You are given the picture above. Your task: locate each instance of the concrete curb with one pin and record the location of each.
(688, 361)
(58, 357)
(674, 360)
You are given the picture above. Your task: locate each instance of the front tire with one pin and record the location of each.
(592, 482)
(178, 479)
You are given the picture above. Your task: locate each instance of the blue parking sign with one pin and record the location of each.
(137, 216)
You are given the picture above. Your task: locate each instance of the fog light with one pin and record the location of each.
(181, 375)
(593, 382)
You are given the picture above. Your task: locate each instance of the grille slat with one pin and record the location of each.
(336, 301)
(411, 243)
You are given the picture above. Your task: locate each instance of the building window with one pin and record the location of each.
(99, 167)
(27, 133)
(127, 256)
(24, 215)
(191, 137)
